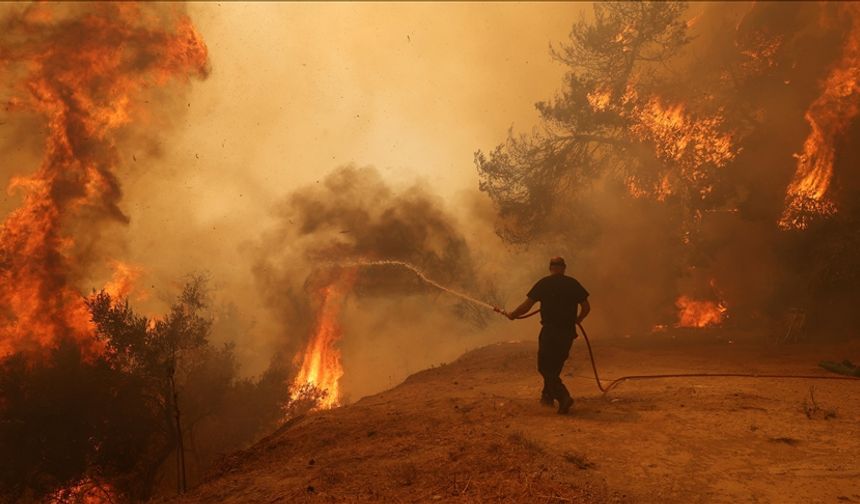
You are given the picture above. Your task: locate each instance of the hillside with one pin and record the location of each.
(473, 431)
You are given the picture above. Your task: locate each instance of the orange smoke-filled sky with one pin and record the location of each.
(296, 90)
(413, 89)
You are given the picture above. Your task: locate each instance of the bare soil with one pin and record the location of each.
(474, 431)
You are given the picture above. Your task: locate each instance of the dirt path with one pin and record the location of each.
(473, 431)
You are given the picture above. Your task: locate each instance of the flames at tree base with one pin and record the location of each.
(321, 365)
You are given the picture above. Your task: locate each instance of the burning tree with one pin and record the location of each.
(607, 118)
(160, 351)
(677, 135)
(95, 398)
(114, 421)
(65, 419)
(321, 367)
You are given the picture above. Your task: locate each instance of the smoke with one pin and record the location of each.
(197, 199)
(732, 184)
(794, 95)
(391, 315)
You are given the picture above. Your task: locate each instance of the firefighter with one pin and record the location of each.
(560, 298)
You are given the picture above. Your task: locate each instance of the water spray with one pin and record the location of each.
(612, 384)
(420, 274)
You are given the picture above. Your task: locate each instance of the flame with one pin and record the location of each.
(83, 75)
(664, 189)
(599, 100)
(635, 189)
(625, 38)
(699, 313)
(684, 140)
(86, 491)
(828, 116)
(321, 365)
(680, 137)
(759, 51)
(660, 191)
(122, 283)
(693, 21)
(691, 145)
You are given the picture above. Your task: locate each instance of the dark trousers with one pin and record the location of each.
(553, 349)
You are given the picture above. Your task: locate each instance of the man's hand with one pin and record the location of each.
(583, 312)
(504, 312)
(521, 309)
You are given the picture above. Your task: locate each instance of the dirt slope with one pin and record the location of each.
(473, 431)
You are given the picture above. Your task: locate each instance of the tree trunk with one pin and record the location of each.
(181, 482)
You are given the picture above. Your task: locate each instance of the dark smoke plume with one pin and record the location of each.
(353, 215)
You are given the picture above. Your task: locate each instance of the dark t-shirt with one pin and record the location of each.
(559, 297)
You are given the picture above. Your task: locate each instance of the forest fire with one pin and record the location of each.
(828, 117)
(324, 217)
(321, 365)
(84, 75)
(699, 313)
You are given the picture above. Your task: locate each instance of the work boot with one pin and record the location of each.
(564, 405)
(546, 401)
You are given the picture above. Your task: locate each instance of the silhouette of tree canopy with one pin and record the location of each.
(581, 137)
(72, 423)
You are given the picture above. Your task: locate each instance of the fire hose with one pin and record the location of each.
(618, 381)
(614, 383)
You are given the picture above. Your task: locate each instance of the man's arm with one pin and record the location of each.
(586, 308)
(521, 309)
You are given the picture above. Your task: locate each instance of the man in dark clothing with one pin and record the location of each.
(560, 296)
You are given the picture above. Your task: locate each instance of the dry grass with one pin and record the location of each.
(815, 412)
(519, 439)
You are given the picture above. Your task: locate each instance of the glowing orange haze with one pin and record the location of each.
(84, 74)
(321, 365)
